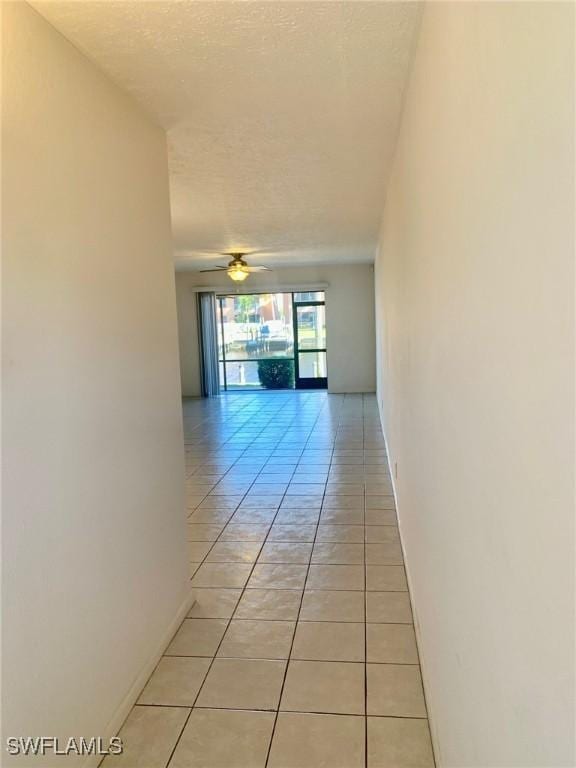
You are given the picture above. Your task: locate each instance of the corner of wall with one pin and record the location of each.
(133, 694)
(417, 626)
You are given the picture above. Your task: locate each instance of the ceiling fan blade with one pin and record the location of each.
(216, 269)
(259, 269)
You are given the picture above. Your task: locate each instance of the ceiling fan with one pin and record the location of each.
(237, 269)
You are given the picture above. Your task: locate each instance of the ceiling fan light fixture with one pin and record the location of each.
(238, 272)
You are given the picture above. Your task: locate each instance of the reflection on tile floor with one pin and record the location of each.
(300, 650)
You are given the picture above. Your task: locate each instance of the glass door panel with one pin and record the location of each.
(311, 327)
(310, 341)
(254, 331)
(272, 340)
(308, 297)
(312, 365)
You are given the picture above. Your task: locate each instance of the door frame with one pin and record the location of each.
(299, 383)
(306, 383)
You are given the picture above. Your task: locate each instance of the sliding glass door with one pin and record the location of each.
(309, 313)
(272, 341)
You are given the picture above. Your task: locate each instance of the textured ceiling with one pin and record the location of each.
(281, 116)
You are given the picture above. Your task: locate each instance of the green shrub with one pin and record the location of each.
(276, 374)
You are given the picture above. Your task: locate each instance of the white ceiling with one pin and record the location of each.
(281, 116)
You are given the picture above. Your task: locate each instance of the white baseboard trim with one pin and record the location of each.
(423, 664)
(131, 697)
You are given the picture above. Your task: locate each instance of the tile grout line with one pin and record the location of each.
(291, 711)
(301, 601)
(223, 634)
(242, 594)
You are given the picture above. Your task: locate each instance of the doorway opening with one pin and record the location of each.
(272, 340)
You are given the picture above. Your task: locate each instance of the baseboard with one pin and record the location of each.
(423, 663)
(131, 697)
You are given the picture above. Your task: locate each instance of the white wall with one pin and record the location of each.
(94, 560)
(475, 307)
(349, 320)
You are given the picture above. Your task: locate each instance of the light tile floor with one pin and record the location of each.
(300, 650)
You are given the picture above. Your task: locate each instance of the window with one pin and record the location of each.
(257, 329)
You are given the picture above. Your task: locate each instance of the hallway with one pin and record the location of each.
(300, 649)
(371, 200)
